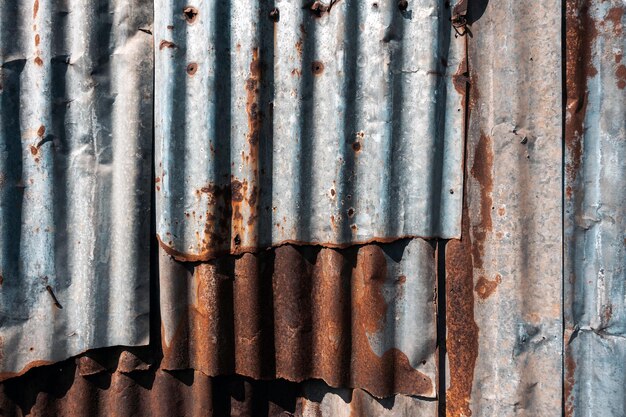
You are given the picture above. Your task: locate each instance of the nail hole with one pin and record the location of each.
(317, 67)
(190, 13)
(192, 68)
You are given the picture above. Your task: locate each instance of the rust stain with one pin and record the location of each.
(484, 287)
(37, 39)
(618, 58)
(38, 61)
(166, 44)
(33, 150)
(569, 381)
(41, 131)
(482, 171)
(192, 68)
(580, 35)
(35, 9)
(1, 280)
(614, 15)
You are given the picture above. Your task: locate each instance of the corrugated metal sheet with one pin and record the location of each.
(75, 157)
(595, 203)
(290, 121)
(362, 317)
(504, 281)
(103, 385)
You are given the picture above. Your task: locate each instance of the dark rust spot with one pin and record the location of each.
(350, 212)
(192, 68)
(299, 47)
(614, 16)
(41, 131)
(618, 58)
(356, 146)
(236, 188)
(33, 150)
(37, 39)
(237, 240)
(166, 44)
(332, 192)
(190, 13)
(317, 67)
(170, 27)
(403, 5)
(1, 280)
(38, 61)
(274, 14)
(35, 9)
(484, 287)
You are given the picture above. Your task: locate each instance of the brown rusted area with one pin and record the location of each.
(317, 67)
(166, 44)
(485, 287)
(41, 131)
(274, 14)
(31, 365)
(462, 330)
(38, 61)
(33, 150)
(618, 58)
(190, 14)
(580, 31)
(192, 68)
(319, 8)
(403, 5)
(37, 39)
(568, 380)
(482, 171)
(35, 9)
(356, 146)
(615, 15)
(294, 313)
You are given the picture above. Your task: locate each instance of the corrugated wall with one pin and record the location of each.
(75, 158)
(359, 210)
(595, 201)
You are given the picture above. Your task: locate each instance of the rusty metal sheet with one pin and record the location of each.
(75, 157)
(504, 277)
(121, 382)
(362, 317)
(595, 203)
(293, 121)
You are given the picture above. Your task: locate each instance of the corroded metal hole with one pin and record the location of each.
(317, 67)
(192, 68)
(190, 13)
(403, 5)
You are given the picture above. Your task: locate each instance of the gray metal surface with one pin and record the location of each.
(75, 157)
(595, 203)
(504, 280)
(361, 317)
(326, 127)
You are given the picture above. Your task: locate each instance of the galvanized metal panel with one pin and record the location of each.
(504, 278)
(362, 317)
(305, 125)
(595, 203)
(104, 385)
(75, 157)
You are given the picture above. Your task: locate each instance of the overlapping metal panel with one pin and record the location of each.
(306, 122)
(75, 158)
(362, 317)
(114, 384)
(504, 280)
(595, 203)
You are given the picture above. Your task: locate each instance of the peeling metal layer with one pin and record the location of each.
(595, 203)
(289, 121)
(75, 156)
(129, 383)
(362, 317)
(503, 283)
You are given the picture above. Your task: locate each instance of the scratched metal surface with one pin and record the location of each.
(127, 383)
(328, 127)
(504, 278)
(595, 203)
(75, 157)
(361, 317)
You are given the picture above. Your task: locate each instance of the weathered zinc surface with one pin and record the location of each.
(126, 383)
(595, 203)
(503, 286)
(75, 157)
(305, 122)
(362, 317)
